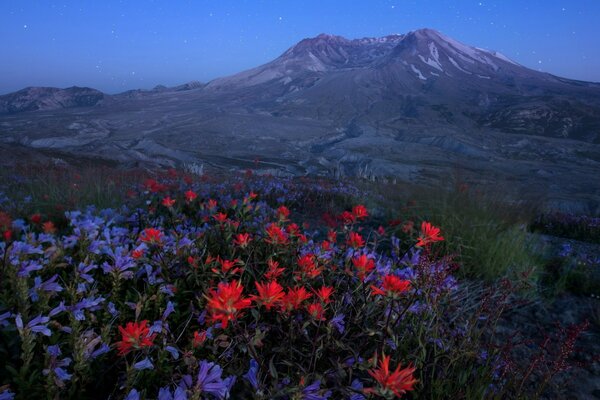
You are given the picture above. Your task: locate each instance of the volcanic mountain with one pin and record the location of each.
(415, 106)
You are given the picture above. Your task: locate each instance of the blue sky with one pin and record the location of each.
(120, 45)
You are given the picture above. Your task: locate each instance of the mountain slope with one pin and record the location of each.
(411, 107)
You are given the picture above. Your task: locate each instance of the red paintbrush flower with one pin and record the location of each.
(355, 240)
(275, 235)
(364, 265)
(151, 236)
(137, 253)
(212, 204)
(270, 294)
(199, 338)
(316, 311)
(429, 234)
(394, 383)
(274, 271)
(190, 196)
(283, 213)
(168, 201)
(347, 218)
(242, 240)
(220, 217)
(227, 266)
(308, 266)
(134, 336)
(392, 286)
(36, 218)
(226, 303)
(294, 297)
(324, 293)
(360, 212)
(49, 227)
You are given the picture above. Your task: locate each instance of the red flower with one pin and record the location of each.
(408, 226)
(269, 294)
(347, 218)
(190, 196)
(324, 293)
(276, 235)
(242, 240)
(220, 217)
(316, 311)
(199, 338)
(397, 383)
(308, 266)
(226, 303)
(294, 297)
(212, 204)
(360, 211)
(135, 336)
(429, 234)
(355, 240)
(168, 201)
(36, 218)
(332, 236)
(392, 286)
(151, 236)
(274, 271)
(137, 253)
(283, 213)
(293, 229)
(364, 265)
(227, 266)
(49, 227)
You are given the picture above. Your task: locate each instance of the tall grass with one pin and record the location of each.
(486, 231)
(52, 189)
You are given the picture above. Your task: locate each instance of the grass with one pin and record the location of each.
(51, 190)
(485, 231)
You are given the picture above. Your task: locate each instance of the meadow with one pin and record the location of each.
(142, 284)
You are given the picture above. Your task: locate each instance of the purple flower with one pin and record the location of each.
(356, 391)
(48, 286)
(7, 395)
(251, 375)
(170, 309)
(338, 322)
(173, 352)
(36, 325)
(4, 318)
(133, 395)
(166, 394)
(311, 392)
(146, 363)
(209, 380)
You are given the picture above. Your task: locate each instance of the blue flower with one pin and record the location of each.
(7, 395)
(311, 392)
(338, 322)
(146, 363)
(133, 395)
(173, 352)
(251, 375)
(356, 391)
(209, 380)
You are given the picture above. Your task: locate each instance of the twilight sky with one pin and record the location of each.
(119, 45)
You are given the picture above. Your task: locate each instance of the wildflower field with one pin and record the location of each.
(245, 287)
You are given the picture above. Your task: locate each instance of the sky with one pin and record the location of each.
(115, 46)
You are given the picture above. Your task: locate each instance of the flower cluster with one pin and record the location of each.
(218, 289)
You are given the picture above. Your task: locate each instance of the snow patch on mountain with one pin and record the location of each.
(418, 72)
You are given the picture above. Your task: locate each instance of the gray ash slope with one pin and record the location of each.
(415, 107)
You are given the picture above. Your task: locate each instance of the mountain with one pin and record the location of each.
(413, 107)
(48, 98)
